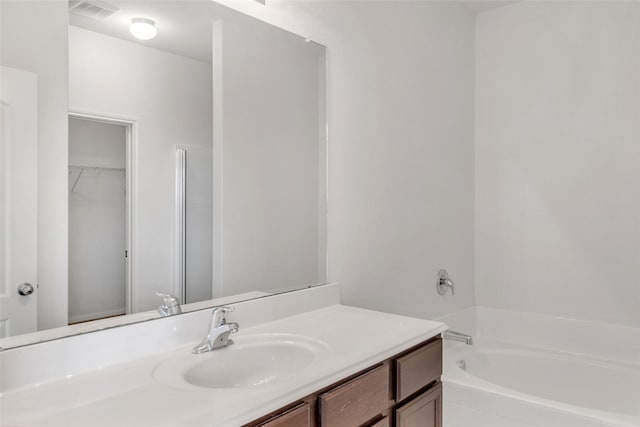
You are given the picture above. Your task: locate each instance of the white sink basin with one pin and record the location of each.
(252, 361)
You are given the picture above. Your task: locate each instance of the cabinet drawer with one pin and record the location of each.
(417, 369)
(300, 416)
(357, 401)
(423, 411)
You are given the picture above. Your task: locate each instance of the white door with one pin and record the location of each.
(18, 201)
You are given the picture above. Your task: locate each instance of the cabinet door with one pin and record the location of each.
(418, 369)
(299, 416)
(423, 411)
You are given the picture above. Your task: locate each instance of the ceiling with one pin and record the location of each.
(184, 27)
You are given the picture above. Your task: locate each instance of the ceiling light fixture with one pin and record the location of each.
(143, 28)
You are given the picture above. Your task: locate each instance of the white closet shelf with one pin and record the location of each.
(83, 167)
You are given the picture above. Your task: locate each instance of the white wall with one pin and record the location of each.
(170, 97)
(401, 168)
(98, 144)
(400, 90)
(270, 145)
(97, 220)
(557, 159)
(34, 38)
(199, 215)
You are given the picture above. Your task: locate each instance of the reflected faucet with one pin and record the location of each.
(219, 331)
(170, 307)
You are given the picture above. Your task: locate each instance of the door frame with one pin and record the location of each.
(131, 140)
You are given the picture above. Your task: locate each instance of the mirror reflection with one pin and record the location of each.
(195, 162)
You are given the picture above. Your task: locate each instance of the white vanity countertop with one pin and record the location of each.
(128, 394)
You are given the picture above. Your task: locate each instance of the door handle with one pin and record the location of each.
(25, 289)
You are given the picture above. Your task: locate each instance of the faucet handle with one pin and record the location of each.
(218, 315)
(445, 282)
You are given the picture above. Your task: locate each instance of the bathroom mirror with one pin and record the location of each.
(195, 162)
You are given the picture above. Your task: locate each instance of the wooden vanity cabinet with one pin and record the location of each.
(424, 410)
(298, 416)
(417, 368)
(385, 422)
(357, 401)
(418, 388)
(402, 391)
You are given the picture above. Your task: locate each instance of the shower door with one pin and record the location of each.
(194, 223)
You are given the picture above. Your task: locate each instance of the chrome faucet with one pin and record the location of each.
(457, 336)
(219, 331)
(170, 305)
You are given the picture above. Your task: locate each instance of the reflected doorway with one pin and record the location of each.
(98, 218)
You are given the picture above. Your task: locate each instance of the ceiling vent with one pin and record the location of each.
(94, 9)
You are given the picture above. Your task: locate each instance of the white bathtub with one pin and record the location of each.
(531, 370)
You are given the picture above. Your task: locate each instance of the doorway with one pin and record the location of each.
(99, 254)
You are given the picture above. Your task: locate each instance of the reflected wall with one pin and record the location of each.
(252, 111)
